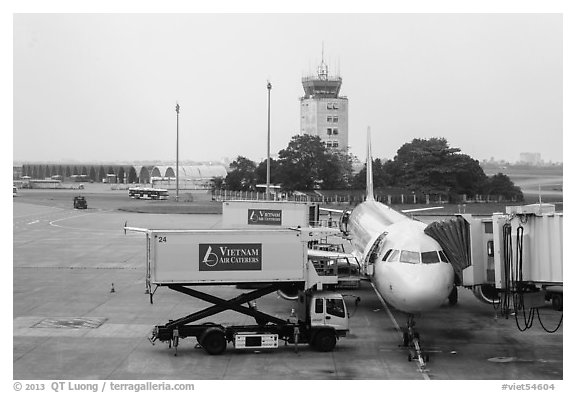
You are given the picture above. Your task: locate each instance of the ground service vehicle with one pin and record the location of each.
(148, 193)
(80, 202)
(275, 259)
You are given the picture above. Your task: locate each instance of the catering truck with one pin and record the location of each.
(274, 259)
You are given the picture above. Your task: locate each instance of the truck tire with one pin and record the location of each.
(324, 340)
(214, 341)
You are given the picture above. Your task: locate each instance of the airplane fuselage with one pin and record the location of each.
(410, 270)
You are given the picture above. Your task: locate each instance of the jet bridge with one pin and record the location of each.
(513, 259)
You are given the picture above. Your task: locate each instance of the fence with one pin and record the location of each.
(353, 198)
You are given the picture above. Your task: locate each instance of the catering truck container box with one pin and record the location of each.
(269, 214)
(219, 257)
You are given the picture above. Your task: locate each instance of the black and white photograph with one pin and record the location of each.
(254, 196)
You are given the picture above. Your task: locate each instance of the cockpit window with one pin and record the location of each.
(430, 257)
(443, 257)
(393, 257)
(410, 257)
(386, 255)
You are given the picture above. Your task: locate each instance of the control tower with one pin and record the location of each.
(323, 112)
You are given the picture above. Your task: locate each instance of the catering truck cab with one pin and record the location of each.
(274, 259)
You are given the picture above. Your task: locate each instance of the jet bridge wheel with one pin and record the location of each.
(213, 341)
(324, 340)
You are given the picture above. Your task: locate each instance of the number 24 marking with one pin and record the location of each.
(161, 239)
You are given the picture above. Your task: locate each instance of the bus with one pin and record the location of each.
(148, 193)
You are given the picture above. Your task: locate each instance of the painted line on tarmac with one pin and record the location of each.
(396, 326)
(103, 231)
(37, 214)
(33, 222)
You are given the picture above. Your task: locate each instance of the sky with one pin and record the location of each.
(103, 87)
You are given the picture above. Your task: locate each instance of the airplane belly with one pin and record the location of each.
(414, 288)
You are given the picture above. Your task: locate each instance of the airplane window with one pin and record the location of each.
(430, 257)
(410, 257)
(386, 255)
(443, 257)
(393, 257)
(335, 307)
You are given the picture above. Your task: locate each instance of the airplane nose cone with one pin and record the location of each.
(414, 288)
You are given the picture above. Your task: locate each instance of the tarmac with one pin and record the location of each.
(80, 312)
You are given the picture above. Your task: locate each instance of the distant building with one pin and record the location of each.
(323, 112)
(189, 175)
(530, 158)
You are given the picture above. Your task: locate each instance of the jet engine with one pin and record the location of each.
(486, 293)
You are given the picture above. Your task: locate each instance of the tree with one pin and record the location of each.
(242, 176)
(217, 183)
(261, 171)
(306, 164)
(381, 171)
(336, 172)
(428, 165)
(501, 184)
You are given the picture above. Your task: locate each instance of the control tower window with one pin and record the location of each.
(335, 144)
(335, 119)
(329, 131)
(335, 131)
(329, 119)
(410, 257)
(329, 105)
(335, 106)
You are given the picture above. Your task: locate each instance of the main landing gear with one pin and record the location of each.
(411, 340)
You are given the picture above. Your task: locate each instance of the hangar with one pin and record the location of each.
(121, 173)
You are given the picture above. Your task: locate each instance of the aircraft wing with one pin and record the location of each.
(421, 209)
(325, 209)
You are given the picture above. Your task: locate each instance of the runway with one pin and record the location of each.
(69, 324)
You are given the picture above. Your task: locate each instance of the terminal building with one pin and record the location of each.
(323, 111)
(190, 176)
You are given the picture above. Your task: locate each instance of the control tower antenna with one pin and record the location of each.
(323, 68)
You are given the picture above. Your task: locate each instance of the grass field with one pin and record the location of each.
(548, 179)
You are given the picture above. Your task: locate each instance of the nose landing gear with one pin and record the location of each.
(411, 340)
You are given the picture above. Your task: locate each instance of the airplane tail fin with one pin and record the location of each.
(369, 175)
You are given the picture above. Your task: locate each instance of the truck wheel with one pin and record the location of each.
(324, 341)
(214, 342)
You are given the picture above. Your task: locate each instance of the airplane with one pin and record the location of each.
(408, 268)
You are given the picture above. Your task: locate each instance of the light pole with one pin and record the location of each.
(177, 167)
(269, 86)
